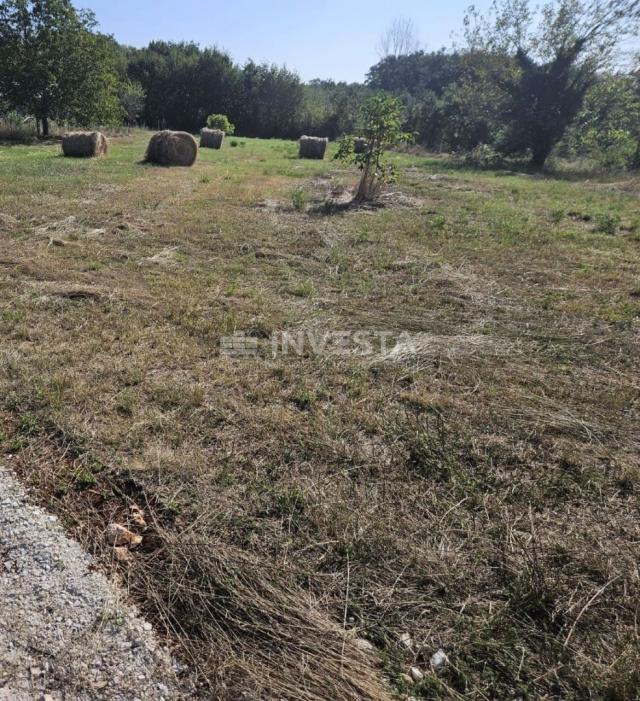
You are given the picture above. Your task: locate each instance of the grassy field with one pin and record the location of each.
(473, 487)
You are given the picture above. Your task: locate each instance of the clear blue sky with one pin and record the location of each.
(324, 39)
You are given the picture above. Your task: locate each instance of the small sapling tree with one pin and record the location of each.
(381, 128)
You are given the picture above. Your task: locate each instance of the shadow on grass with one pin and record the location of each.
(329, 208)
(150, 164)
(517, 168)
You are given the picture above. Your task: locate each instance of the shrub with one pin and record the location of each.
(299, 199)
(608, 223)
(221, 122)
(484, 156)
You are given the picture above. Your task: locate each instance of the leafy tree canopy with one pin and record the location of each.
(53, 64)
(559, 52)
(221, 122)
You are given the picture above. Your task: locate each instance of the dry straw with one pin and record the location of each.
(313, 147)
(211, 138)
(84, 144)
(172, 148)
(249, 627)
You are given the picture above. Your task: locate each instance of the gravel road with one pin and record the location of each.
(65, 632)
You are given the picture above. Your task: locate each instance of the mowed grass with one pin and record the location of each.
(476, 489)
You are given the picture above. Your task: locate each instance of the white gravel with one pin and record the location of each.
(65, 632)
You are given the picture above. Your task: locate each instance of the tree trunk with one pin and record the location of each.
(636, 158)
(363, 193)
(367, 189)
(45, 127)
(540, 155)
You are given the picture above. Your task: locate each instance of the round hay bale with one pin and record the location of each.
(313, 147)
(211, 138)
(172, 148)
(84, 144)
(360, 145)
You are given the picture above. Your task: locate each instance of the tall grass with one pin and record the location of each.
(19, 129)
(15, 128)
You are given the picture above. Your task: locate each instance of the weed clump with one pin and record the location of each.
(299, 199)
(607, 223)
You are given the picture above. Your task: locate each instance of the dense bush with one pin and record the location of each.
(607, 128)
(484, 156)
(221, 122)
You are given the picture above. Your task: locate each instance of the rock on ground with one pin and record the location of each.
(65, 632)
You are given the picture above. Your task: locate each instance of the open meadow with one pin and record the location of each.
(320, 522)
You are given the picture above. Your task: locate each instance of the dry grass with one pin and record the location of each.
(477, 489)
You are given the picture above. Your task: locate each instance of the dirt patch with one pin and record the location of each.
(8, 222)
(269, 205)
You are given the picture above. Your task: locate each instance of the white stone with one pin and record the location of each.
(439, 659)
(406, 641)
(364, 645)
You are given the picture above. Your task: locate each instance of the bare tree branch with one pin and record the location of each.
(400, 39)
(597, 27)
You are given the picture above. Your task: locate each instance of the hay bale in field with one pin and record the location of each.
(360, 145)
(313, 147)
(172, 148)
(84, 144)
(211, 138)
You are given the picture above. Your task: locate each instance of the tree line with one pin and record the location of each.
(176, 85)
(522, 84)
